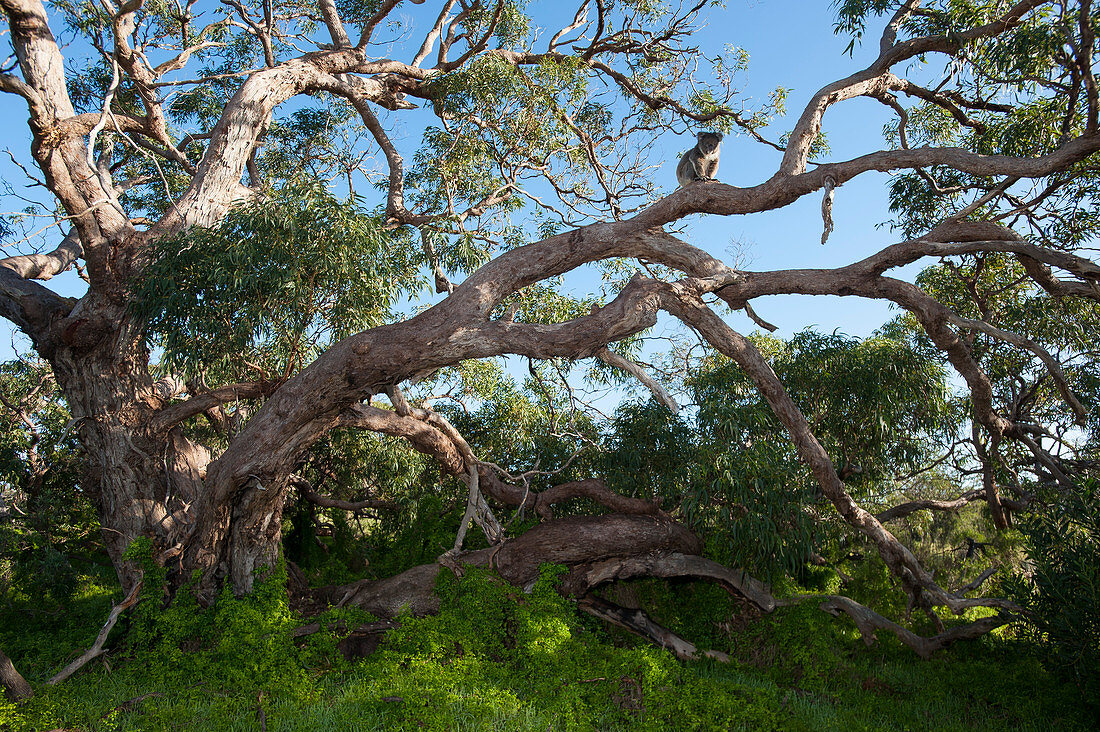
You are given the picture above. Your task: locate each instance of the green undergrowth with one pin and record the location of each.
(496, 658)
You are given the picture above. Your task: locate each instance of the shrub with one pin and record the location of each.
(1062, 591)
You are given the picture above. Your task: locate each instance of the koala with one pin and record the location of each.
(701, 161)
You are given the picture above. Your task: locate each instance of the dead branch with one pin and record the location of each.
(97, 647)
(929, 504)
(868, 621)
(621, 362)
(978, 581)
(637, 622)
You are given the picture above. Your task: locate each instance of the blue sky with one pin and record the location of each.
(790, 44)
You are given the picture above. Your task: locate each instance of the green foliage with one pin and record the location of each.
(536, 425)
(497, 658)
(885, 687)
(243, 643)
(852, 17)
(47, 527)
(1062, 590)
(996, 289)
(649, 453)
(44, 631)
(311, 143)
(273, 283)
(351, 465)
(875, 405)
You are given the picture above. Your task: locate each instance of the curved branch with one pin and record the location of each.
(1053, 368)
(540, 502)
(423, 437)
(860, 83)
(868, 621)
(307, 492)
(585, 578)
(898, 557)
(216, 183)
(621, 362)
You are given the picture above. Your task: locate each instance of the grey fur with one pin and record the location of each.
(701, 161)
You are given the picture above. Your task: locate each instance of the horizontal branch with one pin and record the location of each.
(868, 621)
(307, 492)
(31, 307)
(540, 502)
(174, 414)
(585, 578)
(46, 266)
(929, 504)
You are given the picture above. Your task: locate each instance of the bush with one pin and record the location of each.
(1062, 592)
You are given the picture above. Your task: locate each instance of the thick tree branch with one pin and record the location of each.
(46, 266)
(172, 415)
(15, 686)
(31, 307)
(585, 578)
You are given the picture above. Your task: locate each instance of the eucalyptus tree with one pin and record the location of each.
(198, 157)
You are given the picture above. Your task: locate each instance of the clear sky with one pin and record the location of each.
(790, 44)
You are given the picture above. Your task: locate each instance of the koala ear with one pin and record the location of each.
(699, 136)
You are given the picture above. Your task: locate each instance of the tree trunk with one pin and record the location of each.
(146, 483)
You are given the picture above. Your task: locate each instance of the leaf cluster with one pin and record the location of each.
(272, 284)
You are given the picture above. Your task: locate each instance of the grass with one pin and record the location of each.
(496, 659)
